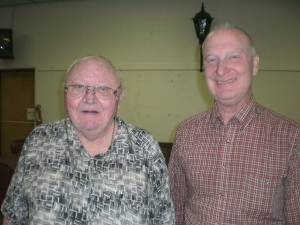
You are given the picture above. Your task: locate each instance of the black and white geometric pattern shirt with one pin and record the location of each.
(58, 182)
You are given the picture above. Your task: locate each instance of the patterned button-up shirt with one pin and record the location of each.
(58, 182)
(247, 172)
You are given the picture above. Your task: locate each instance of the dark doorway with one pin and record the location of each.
(17, 95)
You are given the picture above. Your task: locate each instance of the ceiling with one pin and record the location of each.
(6, 3)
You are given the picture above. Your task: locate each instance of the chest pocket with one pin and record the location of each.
(262, 195)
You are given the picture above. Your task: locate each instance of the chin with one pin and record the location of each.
(91, 126)
(225, 96)
(87, 126)
(225, 99)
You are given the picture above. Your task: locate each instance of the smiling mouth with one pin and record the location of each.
(227, 81)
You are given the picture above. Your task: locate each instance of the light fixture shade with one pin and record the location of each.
(202, 21)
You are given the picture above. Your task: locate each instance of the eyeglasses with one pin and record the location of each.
(77, 90)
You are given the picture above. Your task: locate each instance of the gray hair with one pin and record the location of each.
(229, 25)
(101, 59)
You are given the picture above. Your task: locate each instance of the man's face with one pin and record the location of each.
(229, 67)
(90, 114)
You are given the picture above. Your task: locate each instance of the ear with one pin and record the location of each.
(120, 97)
(255, 64)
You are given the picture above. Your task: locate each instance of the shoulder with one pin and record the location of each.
(138, 136)
(55, 126)
(277, 126)
(276, 120)
(143, 143)
(49, 129)
(197, 120)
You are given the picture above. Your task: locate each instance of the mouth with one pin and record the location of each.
(90, 112)
(226, 82)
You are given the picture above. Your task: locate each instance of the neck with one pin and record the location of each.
(227, 111)
(97, 144)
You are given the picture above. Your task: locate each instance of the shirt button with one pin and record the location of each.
(227, 140)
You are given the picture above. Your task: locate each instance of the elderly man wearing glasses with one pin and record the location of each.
(92, 168)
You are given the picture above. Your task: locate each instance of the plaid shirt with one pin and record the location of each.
(247, 172)
(58, 182)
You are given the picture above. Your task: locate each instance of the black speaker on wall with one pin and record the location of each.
(6, 44)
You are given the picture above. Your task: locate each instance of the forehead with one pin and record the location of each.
(92, 70)
(222, 39)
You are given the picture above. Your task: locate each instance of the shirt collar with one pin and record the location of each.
(243, 116)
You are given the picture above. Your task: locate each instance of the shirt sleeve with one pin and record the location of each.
(161, 204)
(14, 206)
(292, 187)
(177, 180)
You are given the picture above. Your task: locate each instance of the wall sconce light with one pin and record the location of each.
(202, 21)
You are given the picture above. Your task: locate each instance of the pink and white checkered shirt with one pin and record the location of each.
(247, 172)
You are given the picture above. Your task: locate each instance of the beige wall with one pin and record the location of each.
(154, 45)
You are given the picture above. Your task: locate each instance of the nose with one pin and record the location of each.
(89, 96)
(222, 68)
(90, 88)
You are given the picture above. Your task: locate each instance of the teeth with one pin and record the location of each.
(225, 82)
